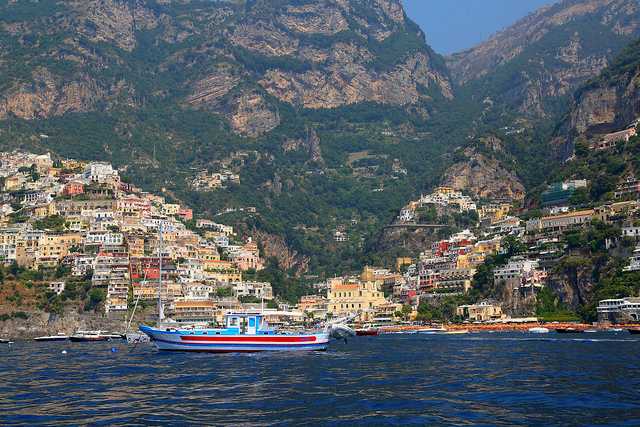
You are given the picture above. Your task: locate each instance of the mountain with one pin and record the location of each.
(533, 67)
(609, 102)
(336, 107)
(232, 58)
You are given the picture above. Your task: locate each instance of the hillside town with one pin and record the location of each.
(132, 245)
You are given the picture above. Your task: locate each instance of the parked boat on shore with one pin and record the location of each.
(244, 332)
(58, 337)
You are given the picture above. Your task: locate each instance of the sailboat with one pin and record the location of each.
(243, 332)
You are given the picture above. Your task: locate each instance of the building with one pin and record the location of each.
(560, 192)
(73, 188)
(315, 305)
(56, 287)
(111, 271)
(629, 187)
(259, 290)
(481, 312)
(102, 173)
(193, 311)
(351, 295)
(559, 223)
(620, 310)
(634, 261)
(521, 274)
(610, 140)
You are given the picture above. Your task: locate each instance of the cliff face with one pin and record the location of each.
(548, 54)
(483, 177)
(231, 58)
(609, 102)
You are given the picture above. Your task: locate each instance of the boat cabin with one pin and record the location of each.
(246, 323)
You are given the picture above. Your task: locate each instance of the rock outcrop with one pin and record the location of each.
(483, 177)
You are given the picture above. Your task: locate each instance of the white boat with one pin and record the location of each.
(244, 332)
(91, 336)
(341, 331)
(58, 337)
(440, 330)
(457, 332)
(539, 330)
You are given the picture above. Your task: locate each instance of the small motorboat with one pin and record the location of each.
(93, 336)
(58, 337)
(634, 331)
(457, 332)
(340, 331)
(367, 332)
(590, 331)
(569, 331)
(539, 330)
(616, 330)
(4, 341)
(440, 330)
(137, 337)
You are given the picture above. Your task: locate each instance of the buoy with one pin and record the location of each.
(114, 350)
(64, 351)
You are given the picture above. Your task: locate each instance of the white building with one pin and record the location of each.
(57, 287)
(256, 289)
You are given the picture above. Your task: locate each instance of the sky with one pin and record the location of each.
(455, 25)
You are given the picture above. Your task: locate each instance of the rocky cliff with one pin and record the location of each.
(483, 176)
(547, 55)
(231, 58)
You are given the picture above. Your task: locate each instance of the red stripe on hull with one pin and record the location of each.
(266, 339)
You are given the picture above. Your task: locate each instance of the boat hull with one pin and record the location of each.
(185, 341)
(54, 338)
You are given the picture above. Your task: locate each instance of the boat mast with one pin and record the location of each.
(160, 308)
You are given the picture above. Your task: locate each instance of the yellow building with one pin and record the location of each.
(170, 208)
(58, 245)
(354, 296)
(494, 213)
(46, 210)
(222, 271)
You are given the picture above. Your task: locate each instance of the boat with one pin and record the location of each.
(457, 332)
(58, 337)
(634, 331)
(4, 341)
(616, 330)
(590, 331)
(539, 330)
(93, 336)
(341, 331)
(569, 331)
(367, 332)
(244, 332)
(440, 330)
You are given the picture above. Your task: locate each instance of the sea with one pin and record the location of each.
(485, 379)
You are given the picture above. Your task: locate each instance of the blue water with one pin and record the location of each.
(474, 379)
